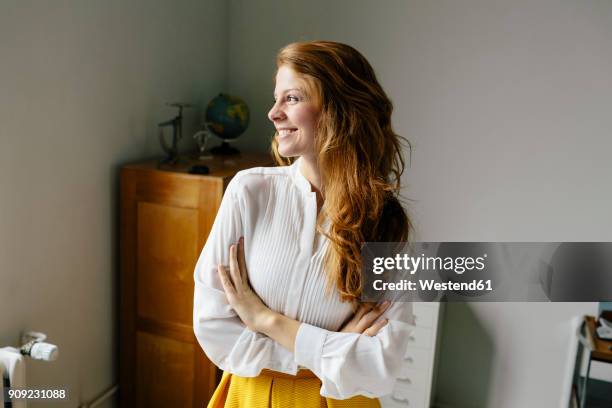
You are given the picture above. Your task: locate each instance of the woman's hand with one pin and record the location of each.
(366, 319)
(248, 306)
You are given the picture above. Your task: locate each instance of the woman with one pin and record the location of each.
(277, 286)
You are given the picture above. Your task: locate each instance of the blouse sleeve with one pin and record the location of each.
(226, 341)
(350, 364)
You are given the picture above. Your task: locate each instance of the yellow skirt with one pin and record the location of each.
(278, 390)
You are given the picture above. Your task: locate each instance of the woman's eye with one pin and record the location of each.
(288, 98)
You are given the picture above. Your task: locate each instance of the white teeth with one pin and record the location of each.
(285, 132)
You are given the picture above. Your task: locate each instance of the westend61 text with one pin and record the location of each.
(430, 284)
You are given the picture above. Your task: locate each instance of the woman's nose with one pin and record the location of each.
(276, 113)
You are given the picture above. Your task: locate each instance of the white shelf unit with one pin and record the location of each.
(415, 386)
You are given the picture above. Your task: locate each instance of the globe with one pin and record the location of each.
(227, 117)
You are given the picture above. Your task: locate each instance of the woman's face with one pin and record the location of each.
(294, 115)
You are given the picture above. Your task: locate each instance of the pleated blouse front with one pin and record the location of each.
(276, 211)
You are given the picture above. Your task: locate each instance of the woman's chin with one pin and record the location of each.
(285, 151)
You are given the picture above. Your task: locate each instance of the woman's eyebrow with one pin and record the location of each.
(288, 90)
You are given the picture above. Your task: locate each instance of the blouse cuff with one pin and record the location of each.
(309, 346)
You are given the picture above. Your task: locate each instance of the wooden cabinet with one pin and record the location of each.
(166, 215)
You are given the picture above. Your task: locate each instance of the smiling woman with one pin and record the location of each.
(277, 285)
(295, 114)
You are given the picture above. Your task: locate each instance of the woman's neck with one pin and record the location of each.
(310, 171)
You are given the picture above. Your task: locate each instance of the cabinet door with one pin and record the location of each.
(165, 371)
(165, 221)
(167, 249)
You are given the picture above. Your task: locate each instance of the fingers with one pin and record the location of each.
(228, 286)
(235, 268)
(376, 327)
(242, 260)
(362, 310)
(370, 317)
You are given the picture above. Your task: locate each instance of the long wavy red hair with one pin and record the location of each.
(359, 156)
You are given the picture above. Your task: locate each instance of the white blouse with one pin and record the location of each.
(276, 211)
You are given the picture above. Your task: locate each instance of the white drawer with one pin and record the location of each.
(413, 379)
(417, 357)
(390, 402)
(424, 316)
(431, 305)
(420, 337)
(405, 399)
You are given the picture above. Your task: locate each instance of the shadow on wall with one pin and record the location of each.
(465, 360)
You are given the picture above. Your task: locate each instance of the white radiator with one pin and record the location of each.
(12, 368)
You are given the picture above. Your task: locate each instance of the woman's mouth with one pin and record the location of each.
(286, 132)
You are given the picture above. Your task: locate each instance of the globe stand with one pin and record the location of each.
(224, 150)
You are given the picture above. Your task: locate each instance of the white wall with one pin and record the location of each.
(83, 85)
(507, 104)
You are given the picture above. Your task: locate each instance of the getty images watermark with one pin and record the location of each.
(488, 271)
